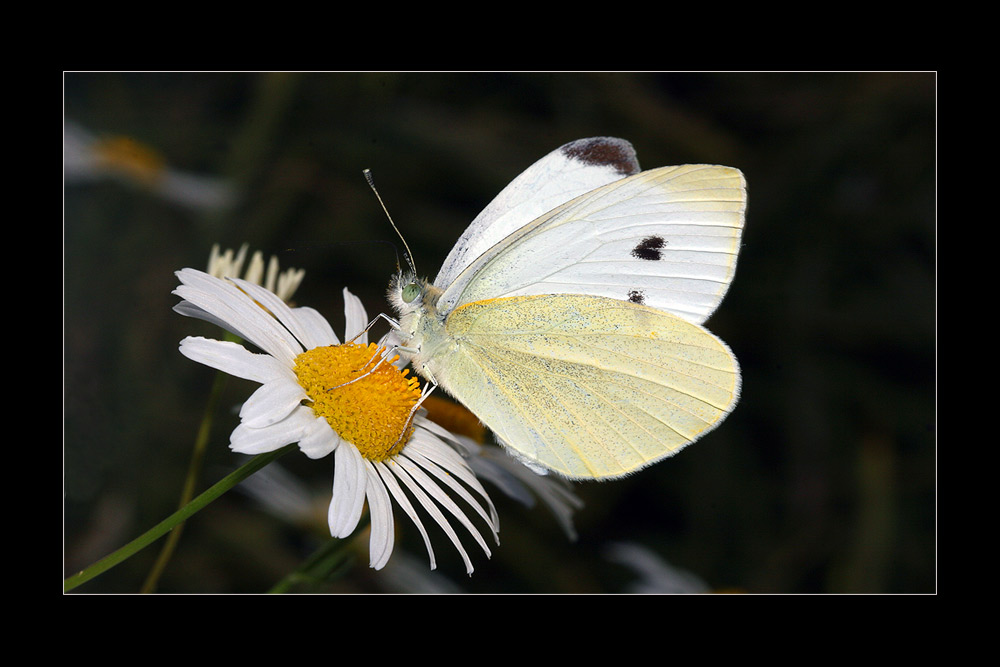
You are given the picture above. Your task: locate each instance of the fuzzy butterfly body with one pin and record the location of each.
(568, 316)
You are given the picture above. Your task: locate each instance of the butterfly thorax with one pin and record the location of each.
(421, 326)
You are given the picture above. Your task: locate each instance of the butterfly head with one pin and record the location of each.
(409, 294)
(415, 300)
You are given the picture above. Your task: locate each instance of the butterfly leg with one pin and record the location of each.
(382, 352)
(381, 316)
(382, 357)
(425, 391)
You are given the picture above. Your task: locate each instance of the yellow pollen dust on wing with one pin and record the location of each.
(372, 412)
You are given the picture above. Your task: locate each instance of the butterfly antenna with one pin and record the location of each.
(409, 257)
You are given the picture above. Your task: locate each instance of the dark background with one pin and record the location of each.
(823, 480)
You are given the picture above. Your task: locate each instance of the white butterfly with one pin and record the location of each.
(568, 315)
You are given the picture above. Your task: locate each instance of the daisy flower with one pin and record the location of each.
(340, 398)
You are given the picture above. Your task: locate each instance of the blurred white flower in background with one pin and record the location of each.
(655, 574)
(89, 157)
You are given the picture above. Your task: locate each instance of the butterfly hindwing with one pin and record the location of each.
(587, 386)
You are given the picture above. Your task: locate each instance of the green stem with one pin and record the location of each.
(321, 565)
(178, 517)
(190, 483)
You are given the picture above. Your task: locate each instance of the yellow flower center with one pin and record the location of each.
(372, 413)
(131, 158)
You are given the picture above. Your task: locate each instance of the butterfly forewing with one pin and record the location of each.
(667, 238)
(567, 172)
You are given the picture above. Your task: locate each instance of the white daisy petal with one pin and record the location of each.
(317, 329)
(234, 359)
(223, 300)
(429, 485)
(288, 282)
(415, 458)
(272, 402)
(356, 318)
(247, 440)
(436, 429)
(255, 271)
(349, 484)
(432, 509)
(278, 308)
(434, 449)
(222, 265)
(272, 275)
(188, 309)
(382, 535)
(319, 439)
(404, 503)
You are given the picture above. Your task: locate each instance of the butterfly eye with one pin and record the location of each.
(410, 292)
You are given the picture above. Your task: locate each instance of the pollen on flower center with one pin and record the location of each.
(370, 413)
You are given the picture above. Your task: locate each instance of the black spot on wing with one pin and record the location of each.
(636, 296)
(617, 154)
(649, 248)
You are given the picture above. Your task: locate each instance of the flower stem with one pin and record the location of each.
(194, 471)
(178, 517)
(322, 565)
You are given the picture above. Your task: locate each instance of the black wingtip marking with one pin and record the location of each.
(649, 248)
(635, 296)
(604, 151)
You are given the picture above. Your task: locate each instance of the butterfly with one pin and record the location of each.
(568, 316)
